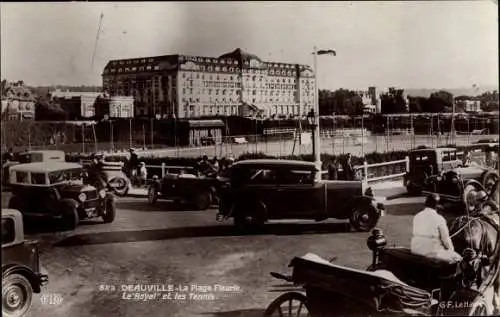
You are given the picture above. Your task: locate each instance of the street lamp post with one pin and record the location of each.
(312, 120)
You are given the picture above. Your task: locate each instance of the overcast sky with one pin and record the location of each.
(404, 44)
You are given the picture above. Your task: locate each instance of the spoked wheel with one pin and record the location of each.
(288, 305)
(120, 186)
(469, 195)
(17, 295)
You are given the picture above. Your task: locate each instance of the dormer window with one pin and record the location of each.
(148, 68)
(113, 70)
(157, 67)
(150, 60)
(143, 60)
(223, 62)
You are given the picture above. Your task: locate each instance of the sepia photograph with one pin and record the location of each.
(250, 159)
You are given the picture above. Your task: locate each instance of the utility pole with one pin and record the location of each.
(97, 40)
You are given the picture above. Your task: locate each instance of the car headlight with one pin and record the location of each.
(82, 197)
(102, 193)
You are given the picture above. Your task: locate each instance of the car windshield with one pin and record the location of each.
(73, 175)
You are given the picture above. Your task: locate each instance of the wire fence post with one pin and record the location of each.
(365, 170)
(162, 169)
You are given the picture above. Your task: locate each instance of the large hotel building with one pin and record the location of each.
(236, 83)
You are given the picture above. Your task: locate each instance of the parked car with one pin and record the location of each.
(21, 276)
(31, 157)
(201, 191)
(266, 189)
(57, 190)
(440, 170)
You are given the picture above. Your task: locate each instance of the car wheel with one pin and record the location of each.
(17, 295)
(109, 210)
(364, 218)
(152, 195)
(70, 216)
(249, 215)
(203, 200)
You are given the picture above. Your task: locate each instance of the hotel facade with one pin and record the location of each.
(189, 87)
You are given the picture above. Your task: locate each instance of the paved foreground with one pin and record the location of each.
(156, 244)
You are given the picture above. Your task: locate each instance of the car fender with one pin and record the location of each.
(363, 200)
(475, 183)
(24, 271)
(71, 201)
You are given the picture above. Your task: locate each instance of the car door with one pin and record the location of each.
(298, 195)
(262, 187)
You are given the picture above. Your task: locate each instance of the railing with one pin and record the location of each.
(365, 167)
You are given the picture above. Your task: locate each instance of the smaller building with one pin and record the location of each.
(121, 107)
(85, 105)
(18, 102)
(472, 105)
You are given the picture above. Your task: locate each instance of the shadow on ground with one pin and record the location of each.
(205, 231)
(143, 205)
(237, 313)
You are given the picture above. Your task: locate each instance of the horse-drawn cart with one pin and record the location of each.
(397, 283)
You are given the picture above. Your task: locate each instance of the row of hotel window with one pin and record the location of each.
(200, 59)
(202, 68)
(288, 99)
(233, 110)
(246, 92)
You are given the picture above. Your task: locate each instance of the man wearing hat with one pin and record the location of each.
(133, 161)
(431, 237)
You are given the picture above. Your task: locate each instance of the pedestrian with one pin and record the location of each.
(332, 170)
(143, 173)
(215, 164)
(348, 168)
(431, 237)
(133, 162)
(10, 155)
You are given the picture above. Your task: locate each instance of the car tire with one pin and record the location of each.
(276, 306)
(70, 218)
(203, 200)
(109, 210)
(364, 217)
(17, 295)
(249, 215)
(152, 194)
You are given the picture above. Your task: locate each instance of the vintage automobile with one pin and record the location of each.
(264, 189)
(199, 190)
(440, 170)
(21, 276)
(32, 157)
(57, 190)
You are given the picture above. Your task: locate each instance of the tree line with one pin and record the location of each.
(349, 102)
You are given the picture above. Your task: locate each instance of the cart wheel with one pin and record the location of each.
(288, 304)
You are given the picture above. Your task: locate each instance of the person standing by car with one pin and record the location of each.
(431, 237)
(143, 173)
(96, 175)
(204, 166)
(133, 161)
(332, 171)
(348, 168)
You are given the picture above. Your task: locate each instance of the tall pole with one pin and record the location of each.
(152, 130)
(333, 133)
(130, 132)
(111, 136)
(362, 135)
(83, 138)
(452, 130)
(316, 136)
